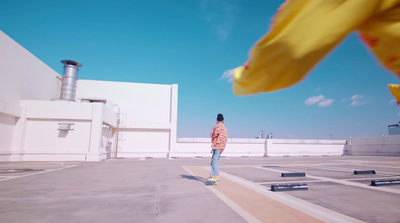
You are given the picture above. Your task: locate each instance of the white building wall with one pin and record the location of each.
(143, 142)
(7, 126)
(305, 147)
(236, 147)
(375, 146)
(148, 114)
(149, 103)
(42, 140)
(245, 147)
(192, 147)
(23, 76)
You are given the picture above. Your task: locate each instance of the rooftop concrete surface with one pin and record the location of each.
(173, 190)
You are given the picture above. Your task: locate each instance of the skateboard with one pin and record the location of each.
(212, 182)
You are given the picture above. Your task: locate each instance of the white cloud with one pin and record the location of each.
(354, 103)
(326, 102)
(320, 99)
(398, 113)
(356, 97)
(228, 75)
(392, 101)
(314, 99)
(356, 100)
(221, 16)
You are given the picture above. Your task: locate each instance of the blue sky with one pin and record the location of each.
(191, 43)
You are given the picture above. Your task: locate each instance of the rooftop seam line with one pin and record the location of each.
(46, 171)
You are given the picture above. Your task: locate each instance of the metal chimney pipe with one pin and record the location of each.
(69, 79)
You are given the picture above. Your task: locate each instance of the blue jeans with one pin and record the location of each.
(215, 162)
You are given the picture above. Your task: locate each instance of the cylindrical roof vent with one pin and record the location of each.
(69, 79)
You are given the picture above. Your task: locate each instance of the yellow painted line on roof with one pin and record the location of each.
(243, 213)
(252, 205)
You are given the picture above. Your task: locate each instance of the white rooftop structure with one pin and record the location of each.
(36, 125)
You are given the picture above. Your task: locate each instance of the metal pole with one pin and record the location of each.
(117, 132)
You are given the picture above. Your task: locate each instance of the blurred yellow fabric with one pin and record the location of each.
(395, 90)
(304, 31)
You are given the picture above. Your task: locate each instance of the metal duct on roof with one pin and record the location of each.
(69, 79)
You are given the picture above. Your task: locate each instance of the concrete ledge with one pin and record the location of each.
(8, 109)
(47, 156)
(53, 157)
(230, 140)
(189, 154)
(57, 110)
(208, 154)
(94, 157)
(147, 125)
(192, 140)
(237, 147)
(375, 146)
(142, 154)
(308, 141)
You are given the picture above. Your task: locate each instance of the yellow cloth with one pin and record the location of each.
(395, 90)
(304, 31)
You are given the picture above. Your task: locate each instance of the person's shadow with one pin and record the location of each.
(197, 178)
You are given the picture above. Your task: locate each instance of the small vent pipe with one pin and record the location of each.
(69, 79)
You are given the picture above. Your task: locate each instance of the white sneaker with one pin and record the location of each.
(214, 178)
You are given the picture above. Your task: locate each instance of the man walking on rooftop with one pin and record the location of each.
(219, 137)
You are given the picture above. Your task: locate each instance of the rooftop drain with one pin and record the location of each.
(69, 79)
